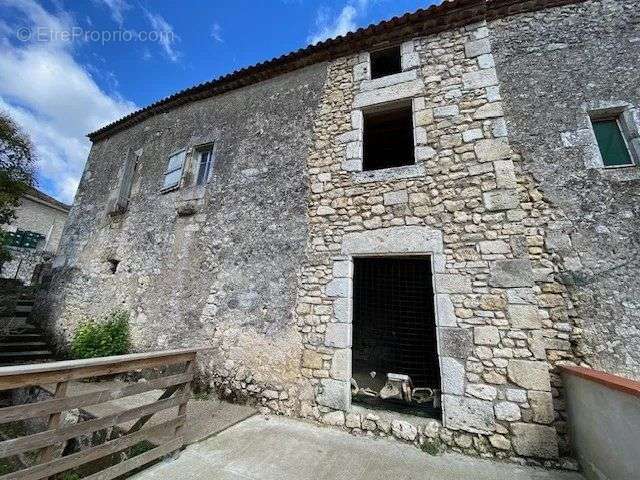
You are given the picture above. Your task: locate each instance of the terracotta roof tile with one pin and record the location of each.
(449, 14)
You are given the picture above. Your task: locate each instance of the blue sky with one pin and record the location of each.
(69, 67)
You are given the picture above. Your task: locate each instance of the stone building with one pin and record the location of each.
(449, 196)
(34, 235)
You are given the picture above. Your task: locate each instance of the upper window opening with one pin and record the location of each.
(611, 142)
(385, 62)
(205, 162)
(388, 138)
(173, 174)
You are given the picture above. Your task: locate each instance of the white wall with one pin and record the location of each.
(39, 217)
(605, 428)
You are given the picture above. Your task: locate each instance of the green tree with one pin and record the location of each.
(17, 170)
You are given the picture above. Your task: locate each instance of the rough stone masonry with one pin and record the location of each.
(534, 243)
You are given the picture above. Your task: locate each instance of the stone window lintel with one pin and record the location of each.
(584, 136)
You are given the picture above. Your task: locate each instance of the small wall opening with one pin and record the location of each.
(394, 355)
(113, 265)
(385, 62)
(388, 137)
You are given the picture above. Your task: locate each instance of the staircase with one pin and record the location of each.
(21, 342)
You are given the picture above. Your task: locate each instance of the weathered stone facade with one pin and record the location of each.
(468, 205)
(258, 265)
(555, 67)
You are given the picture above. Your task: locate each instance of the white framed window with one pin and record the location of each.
(173, 173)
(204, 164)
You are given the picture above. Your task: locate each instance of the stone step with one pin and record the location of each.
(10, 356)
(22, 346)
(23, 308)
(21, 329)
(22, 337)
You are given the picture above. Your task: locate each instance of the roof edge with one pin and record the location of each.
(437, 18)
(38, 196)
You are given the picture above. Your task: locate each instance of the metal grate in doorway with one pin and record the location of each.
(393, 319)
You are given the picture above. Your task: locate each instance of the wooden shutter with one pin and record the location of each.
(126, 182)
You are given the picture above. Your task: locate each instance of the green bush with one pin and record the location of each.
(140, 447)
(103, 338)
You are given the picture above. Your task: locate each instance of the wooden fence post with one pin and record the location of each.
(46, 454)
(185, 392)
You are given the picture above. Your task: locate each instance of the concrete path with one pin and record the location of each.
(277, 448)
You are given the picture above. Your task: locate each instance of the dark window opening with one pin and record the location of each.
(394, 354)
(388, 138)
(113, 265)
(611, 142)
(385, 62)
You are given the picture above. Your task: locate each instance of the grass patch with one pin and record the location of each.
(201, 396)
(140, 448)
(431, 446)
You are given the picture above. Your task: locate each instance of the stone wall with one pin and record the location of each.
(555, 66)
(502, 318)
(258, 265)
(220, 273)
(24, 263)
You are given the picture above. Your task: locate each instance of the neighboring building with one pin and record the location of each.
(34, 235)
(450, 195)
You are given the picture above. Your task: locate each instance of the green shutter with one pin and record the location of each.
(23, 239)
(612, 146)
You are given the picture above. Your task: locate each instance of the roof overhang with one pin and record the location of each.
(446, 16)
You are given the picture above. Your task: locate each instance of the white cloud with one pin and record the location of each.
(216, 32)
(117, 8)
(328, 26)
(167, 38)
(60, 104)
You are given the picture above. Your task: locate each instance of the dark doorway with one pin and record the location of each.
(394, 333)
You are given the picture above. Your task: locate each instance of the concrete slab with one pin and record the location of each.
(278, 448)
(204, 417)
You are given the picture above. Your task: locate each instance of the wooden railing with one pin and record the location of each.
(177, 390)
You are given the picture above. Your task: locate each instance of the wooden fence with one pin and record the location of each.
(177, 390)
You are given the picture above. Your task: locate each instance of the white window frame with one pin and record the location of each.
(199, 150)
(584, 137)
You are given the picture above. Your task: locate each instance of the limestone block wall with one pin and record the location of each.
(502, 318)
(556, 67)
